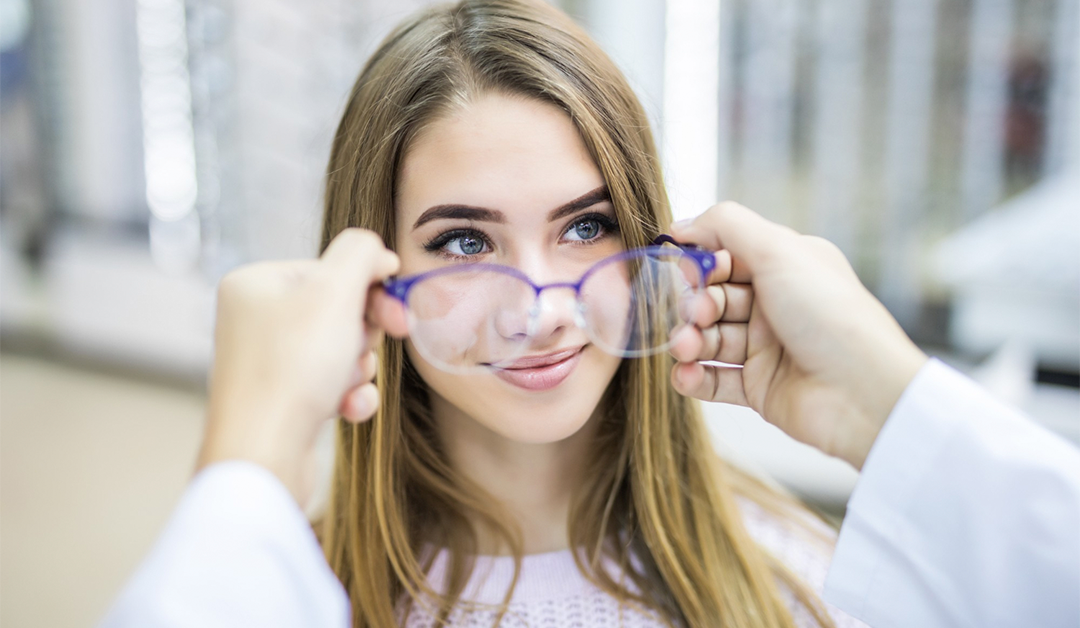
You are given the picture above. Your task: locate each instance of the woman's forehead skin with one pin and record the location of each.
(519, 156)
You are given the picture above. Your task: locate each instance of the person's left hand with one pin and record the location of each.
(821, 358)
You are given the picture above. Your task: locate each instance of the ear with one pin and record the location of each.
(387, 313)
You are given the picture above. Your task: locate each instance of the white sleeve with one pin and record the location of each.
(237, 552)
(966, 514)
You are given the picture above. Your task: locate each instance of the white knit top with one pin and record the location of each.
(552, 593)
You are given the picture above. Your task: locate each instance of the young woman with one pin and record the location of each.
(570, 486)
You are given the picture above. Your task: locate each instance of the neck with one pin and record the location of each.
(534, 482)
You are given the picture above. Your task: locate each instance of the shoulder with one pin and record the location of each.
(803, 543)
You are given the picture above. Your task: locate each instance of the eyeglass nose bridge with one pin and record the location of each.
(579, 311)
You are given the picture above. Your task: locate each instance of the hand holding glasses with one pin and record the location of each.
(475, 317)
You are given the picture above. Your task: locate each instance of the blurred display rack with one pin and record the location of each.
(103, 302)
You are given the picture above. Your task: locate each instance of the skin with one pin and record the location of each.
(289, 354)
(523, 158)
(822, 359)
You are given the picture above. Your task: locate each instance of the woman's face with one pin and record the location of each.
(496, 182)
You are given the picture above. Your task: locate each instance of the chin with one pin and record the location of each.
(520, 414)
(543, 421)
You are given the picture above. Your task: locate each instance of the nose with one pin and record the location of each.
(542, 321)
(552, 312)
(555, 312)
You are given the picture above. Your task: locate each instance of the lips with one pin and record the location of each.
(537, 361)
(541, 372)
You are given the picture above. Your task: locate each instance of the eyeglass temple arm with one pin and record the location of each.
(703, 257)
(398, 287)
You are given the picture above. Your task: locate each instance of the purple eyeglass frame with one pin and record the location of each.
(399, 287)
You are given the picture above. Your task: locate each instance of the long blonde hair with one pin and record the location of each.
(657, 489)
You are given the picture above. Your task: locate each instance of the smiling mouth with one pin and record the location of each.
(540, 372)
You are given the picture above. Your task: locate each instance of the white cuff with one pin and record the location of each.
(237, 551)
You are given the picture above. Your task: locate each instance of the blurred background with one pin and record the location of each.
(149, 146)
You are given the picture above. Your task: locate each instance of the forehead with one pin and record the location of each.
(518, 155)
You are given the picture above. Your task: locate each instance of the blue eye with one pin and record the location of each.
(466, 245)
(586, 229)
(591, 227)
(458, 243)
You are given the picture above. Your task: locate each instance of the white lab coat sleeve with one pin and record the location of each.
(966, 513)
(237, 552)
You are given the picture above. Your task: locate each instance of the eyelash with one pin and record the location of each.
(608, 227)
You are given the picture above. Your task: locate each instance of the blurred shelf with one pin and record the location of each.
(100, 298)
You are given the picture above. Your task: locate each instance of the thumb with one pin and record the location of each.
(355, 259)
(753, 240)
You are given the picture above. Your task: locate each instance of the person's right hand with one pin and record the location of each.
(822, 358)
(294, 346)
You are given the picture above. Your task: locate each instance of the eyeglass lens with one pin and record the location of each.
(629, 305)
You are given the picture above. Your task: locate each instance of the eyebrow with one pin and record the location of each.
(483, 214)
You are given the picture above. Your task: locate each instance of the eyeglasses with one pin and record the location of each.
(475, 317)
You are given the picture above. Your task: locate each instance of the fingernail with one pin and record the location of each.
(682, 224)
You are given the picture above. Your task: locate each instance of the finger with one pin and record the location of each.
(359, 404)
(732, 344)
(727, 268)
(363, 371)
(728, 302)
(355, 259)
(750, 238)
(373, 337)
(724, 268)
(373, 328)
(368, 367)
(721, 270)
(687, 344)
(709, 383)
(356, 377)
(740, 272)
(719, 343)
(387, 313)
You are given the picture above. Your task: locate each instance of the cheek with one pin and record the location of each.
(521, 416)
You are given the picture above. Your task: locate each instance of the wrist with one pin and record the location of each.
(264, 436)
(287, 469)
(891, 376)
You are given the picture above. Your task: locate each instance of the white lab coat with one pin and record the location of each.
(966, 514)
